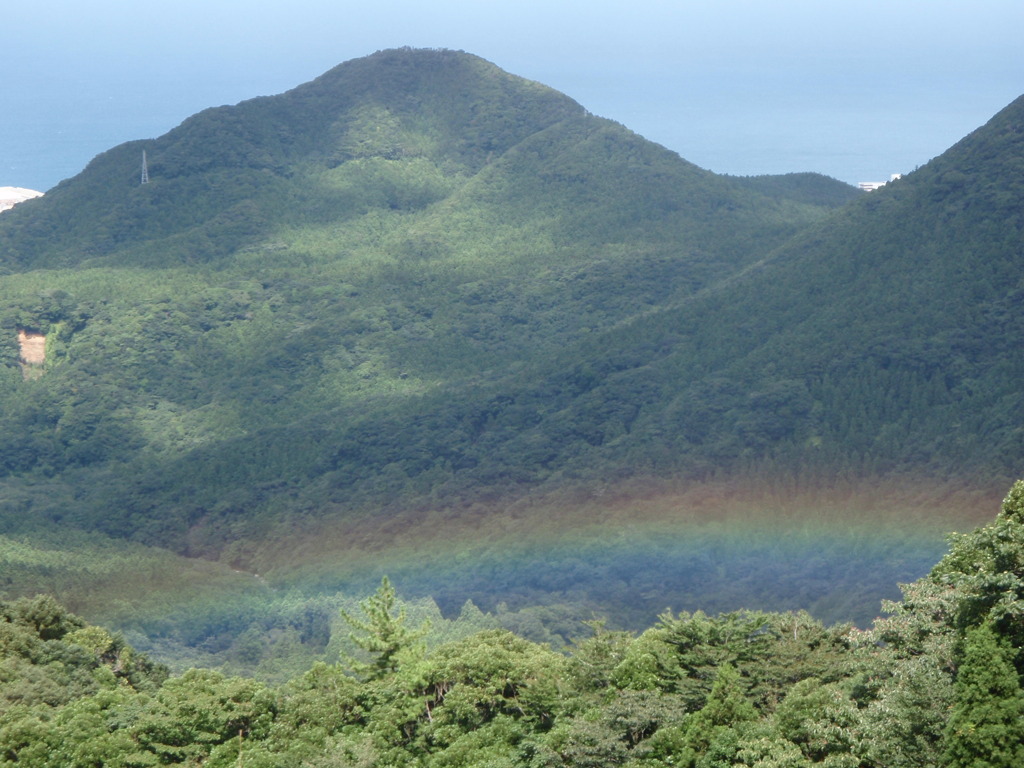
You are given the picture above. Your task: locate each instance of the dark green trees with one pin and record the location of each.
(986, 726)
(983, 574)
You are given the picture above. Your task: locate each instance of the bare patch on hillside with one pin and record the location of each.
(33, 353)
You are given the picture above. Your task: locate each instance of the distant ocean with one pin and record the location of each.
(44, 139)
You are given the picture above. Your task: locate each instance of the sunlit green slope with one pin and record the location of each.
(390, 245)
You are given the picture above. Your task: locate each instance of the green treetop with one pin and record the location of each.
(382, 634)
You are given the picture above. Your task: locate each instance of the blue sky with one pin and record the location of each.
(856, 90)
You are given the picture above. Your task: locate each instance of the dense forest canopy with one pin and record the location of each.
(937, 682)
(422, 317)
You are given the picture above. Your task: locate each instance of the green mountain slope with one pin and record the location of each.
(876, 342)
(397, 131)
(371, 133)
(406, 231)
(422, 300)
(882, 339)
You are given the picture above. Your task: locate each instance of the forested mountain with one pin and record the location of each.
(401, 236)
(421, 315)
(878, 340)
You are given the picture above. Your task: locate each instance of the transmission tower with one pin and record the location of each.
(145, 169)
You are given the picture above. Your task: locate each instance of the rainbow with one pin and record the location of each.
(631, 551)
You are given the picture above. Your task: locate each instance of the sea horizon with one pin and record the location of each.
(55, 132)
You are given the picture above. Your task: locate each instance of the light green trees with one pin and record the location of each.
(382, 634)
(985, 568)
(984, 576)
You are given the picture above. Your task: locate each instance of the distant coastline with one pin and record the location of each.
(11, 196)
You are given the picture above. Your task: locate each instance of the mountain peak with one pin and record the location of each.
(237, 164)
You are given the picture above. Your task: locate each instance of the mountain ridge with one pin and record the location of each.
(256, 140)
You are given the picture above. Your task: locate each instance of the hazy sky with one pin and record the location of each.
(854, 89)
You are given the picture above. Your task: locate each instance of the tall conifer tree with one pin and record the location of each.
(986, 726)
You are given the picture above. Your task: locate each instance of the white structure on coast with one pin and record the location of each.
(871, 186)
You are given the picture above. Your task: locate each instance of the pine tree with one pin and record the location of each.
(382, 634)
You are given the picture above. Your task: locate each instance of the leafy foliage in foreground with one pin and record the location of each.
(936, 683)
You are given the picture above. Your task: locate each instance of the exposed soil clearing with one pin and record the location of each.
(33, 353)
